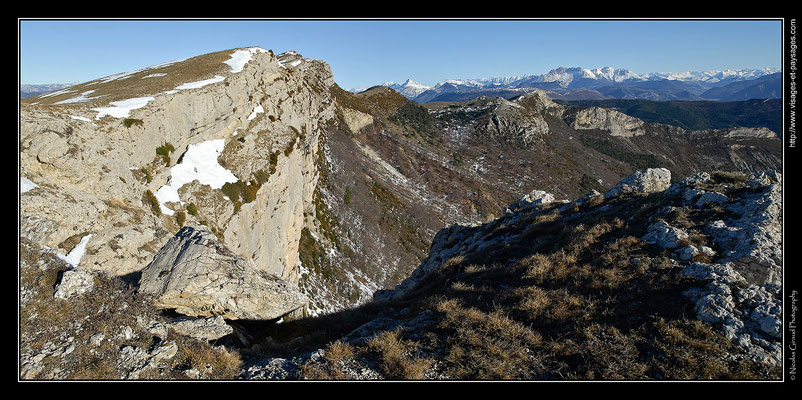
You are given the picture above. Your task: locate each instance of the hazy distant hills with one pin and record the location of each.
(35, 90)
(606, 83)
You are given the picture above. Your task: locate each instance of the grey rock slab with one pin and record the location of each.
(197, 275)
(650, 180)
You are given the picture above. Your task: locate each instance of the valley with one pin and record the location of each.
(302, 231)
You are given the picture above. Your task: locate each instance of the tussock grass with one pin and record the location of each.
(397, 359)
(568, 299)
(111, 308)
(190, 70)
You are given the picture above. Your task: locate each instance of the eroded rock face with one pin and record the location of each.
(88, 173)
(75, 282)
(197, 275)
(751, 133)
(617, 123)
(664, 235)
(513, 123)
(647, 181)
(534, 198)
(753, 240)
(207, 328)
(538, 101)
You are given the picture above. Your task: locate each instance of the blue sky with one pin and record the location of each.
(363, 53)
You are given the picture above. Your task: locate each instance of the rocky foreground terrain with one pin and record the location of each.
(237, 215)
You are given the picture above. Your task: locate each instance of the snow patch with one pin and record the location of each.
(199, 163)
(126, 75)
(241, 57)
(199, 84)
(154, 75)
(56, 93)
(26, 185)
(81, 98)
(80, 118)
(77, 252)
(121, 109)
(258, 110)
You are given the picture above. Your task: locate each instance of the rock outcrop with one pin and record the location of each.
(197, 275)
(605, 119)
(510, 122)
(268, 110)
(458, 240)
(647, 181)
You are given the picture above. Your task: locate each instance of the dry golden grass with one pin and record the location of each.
(577, 300)
(136, 85)
(339, 351)
(396, 356)
(220, 363)
(107, 309)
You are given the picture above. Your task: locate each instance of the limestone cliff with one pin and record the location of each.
(122, 158)
(617, 123)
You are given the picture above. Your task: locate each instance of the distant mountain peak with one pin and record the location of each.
(409, 88)
(613, 83)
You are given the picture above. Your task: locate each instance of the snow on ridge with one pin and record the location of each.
(154, 75)
(241, 57)
(198, 84)
(56, 93)
(121, 109)
(81, 98)
(126, 75)
(199, 163)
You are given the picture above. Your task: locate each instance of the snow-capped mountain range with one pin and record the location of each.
(603, 82)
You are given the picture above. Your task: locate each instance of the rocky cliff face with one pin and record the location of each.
(618, 124)
(99, 172)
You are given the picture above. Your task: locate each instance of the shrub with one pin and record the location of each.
(417, 118)
(153, 202)
(240, 192)
(347, 196)
(145, 172)
(729, 176)
(132, 121)
(273, 162)
(180, 218)
(232, 190)
(192, 210)
(290, 146)
(393, 353)
(164, 151)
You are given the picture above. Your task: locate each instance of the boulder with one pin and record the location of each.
(664, 235)
(75, 282)
(536, 197)
(197, 275)
(650, 180)
(208, 328)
